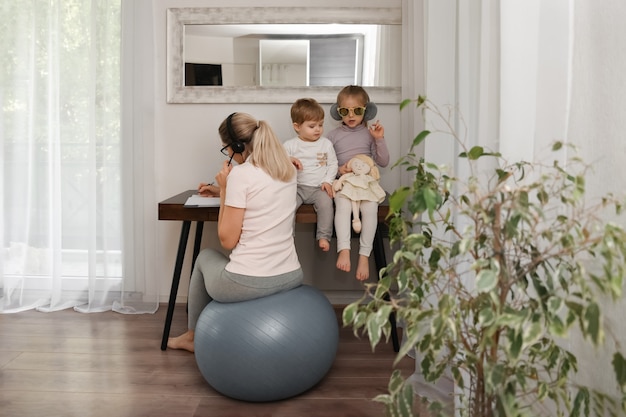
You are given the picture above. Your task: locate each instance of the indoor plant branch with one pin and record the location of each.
(489, 273)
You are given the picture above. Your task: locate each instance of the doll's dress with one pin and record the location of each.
(362, 188)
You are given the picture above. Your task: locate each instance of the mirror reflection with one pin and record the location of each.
(289, 55)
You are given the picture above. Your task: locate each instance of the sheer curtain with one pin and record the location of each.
(503, 66)
(65, 213)
(381, 50)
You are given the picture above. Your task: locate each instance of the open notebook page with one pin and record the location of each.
(197, 200)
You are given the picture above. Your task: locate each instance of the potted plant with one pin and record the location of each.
(489, 274)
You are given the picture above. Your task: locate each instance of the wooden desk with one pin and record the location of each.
(174, 209)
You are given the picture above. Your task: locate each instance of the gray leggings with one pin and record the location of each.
(343, 224)
(210, 281)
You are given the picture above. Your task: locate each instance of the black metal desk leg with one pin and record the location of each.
(196, 250)
(196, 243)
(381, 261)
(180, 257)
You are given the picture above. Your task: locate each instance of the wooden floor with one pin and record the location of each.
(108, 364)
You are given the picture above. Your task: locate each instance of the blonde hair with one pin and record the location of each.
(265, 149)
(374, 172)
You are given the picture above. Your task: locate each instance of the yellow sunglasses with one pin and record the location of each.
(344, 111)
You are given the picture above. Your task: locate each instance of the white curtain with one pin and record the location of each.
(67, 210)
(525, 73)
(503, 66)
(381, 50)
(388, 73)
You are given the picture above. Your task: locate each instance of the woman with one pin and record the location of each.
(257, 208)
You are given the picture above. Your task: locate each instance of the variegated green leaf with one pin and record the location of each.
(486, 280)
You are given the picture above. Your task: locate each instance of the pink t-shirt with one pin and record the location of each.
(266, 246)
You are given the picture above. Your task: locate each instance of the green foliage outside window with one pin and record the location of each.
(60, 123)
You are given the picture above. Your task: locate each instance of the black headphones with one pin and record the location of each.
(370, 111)
(236, 145)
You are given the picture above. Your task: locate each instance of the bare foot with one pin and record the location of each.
(184, 341)
(363, 268)
(343, 260)
(356, 225)
(324, 244)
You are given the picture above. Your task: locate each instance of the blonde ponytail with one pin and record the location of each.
(265, 149)
(270, 155)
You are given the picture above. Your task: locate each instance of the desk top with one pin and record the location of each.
(174, 209)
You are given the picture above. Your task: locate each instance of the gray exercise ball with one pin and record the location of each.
(267, 349)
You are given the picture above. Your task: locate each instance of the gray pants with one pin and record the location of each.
(323, 206)
(210, 281)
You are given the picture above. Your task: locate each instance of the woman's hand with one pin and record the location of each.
(221, 176)
(208, 190)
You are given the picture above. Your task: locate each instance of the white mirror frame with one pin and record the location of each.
(177, 18)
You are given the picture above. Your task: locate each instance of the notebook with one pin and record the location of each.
(197, 200)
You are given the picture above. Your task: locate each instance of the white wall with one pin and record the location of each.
(186, 152)
(196, 50)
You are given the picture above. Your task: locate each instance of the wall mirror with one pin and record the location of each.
(258, 55)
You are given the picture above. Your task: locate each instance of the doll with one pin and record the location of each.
(359, 185)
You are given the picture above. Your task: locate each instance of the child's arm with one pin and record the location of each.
(344, 169)
(291, 147)
(296, 163)
(332, 165)
(379, 149)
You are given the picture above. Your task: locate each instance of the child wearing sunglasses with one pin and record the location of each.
(314, 157)
(352, 138)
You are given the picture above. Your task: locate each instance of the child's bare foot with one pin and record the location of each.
(184, 341)
(356, 225)
(343, 260)
(363, 268)
(324, 244)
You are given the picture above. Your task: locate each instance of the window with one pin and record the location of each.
(61, 222)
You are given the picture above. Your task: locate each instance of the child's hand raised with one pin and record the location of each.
(377, 130)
